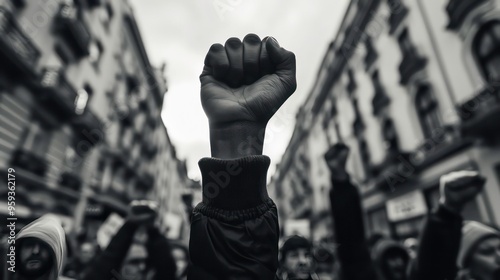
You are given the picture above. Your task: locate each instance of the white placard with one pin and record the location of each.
(300, 227)
(407, 206)
(108, 229)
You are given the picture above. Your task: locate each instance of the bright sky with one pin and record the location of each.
(181, 32)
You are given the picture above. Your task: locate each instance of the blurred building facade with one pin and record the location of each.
(80, 109)
(412, 87)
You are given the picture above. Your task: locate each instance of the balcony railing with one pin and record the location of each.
(412, 63)
(481, 113)
(459, 9)
(89, 127)
(29, 161)
(74, 29)
(16, 48)
(55, 90)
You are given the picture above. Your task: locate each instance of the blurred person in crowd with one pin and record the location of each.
(391, 259)
(450, 248)
(296, 261)
(234, 229)
(124, 259)
(86, 253)
(326, 268)
(411, 244)
(40, 250)
(180, 254)
(353, 251)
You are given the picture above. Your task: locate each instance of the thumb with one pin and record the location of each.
(284, 61)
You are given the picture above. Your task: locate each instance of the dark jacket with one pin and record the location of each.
(352, 247)
(438, 247)
(108, 264)
(234, 230)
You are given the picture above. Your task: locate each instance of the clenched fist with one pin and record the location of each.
(242, 85)
(459, 188)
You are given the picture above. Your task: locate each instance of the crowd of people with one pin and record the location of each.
(234, 229)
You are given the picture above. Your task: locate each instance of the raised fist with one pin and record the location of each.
(246, 81)
(336, 158)
(460, 187)
(142, 212)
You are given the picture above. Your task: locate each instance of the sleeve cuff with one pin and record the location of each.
(234, 184)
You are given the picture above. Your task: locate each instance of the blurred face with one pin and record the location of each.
(485, 260)
(134, 266)
(87, 252)
(298, 263)
(396, 266)
(181, 261)
(35, 257)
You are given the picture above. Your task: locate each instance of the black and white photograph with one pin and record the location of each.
(249, 140)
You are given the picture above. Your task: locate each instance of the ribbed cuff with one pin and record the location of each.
(445, 214)
(234, 184)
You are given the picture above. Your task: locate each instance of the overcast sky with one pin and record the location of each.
(179, 33)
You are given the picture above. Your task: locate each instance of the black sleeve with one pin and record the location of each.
(107, 265)
(160, 255)
(438, 247)
(352, 247)
(234, 230)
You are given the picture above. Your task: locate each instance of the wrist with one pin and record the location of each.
(452, 207)
(236, 140)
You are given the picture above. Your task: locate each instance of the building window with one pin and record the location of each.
(486, 48)
(371, 53)
(351, 83)
(404, 42)
(95, 52)
(390, 136)
(106, 15)
(37, 139)
(82, 99)
(427, 110)
(365, 156)
(380, 99)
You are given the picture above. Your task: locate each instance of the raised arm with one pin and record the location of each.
(442, 232)
(352, 250)
(234, 230)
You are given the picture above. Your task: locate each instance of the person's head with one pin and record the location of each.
(480, 251)
(41, 247)
(134, 265)
(35, 257)
(181, 258)
(391, 259)
(412, 245)
(296, 257)
(88, 250)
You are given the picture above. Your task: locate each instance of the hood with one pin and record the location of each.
(379, 251)
(472, 234)
(49, 230)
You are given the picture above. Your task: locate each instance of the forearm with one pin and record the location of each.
(160, 256)
(352, 250)
(235, 140)
(439, 245)
(234, 231)
(111, 259)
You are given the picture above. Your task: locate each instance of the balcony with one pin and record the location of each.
(481, 113)
(75, 31)
(71, 181)
(55, 91)
(412, 63)
(397, 16)
(87, 126)
(29, 161)
(17, 51)
(459, 9)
